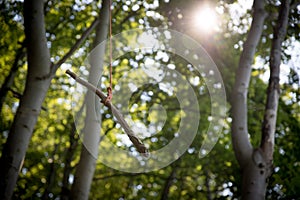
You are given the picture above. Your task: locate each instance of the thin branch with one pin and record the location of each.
(19, 96)
(126, 19)
(134, 139)
(168, 183)
(20, 54)
(84, 35)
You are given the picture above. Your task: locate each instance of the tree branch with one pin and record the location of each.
(84, 35)
(134, 139)
(241, 143)
(168, 183)
(269, 123)
(20, 54)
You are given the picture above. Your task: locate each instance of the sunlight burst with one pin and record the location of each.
(205, 19)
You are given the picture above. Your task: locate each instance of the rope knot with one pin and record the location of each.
(108, 97)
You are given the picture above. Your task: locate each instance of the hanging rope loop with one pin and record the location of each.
(109, 88)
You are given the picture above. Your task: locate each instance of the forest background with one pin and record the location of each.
(58, 166)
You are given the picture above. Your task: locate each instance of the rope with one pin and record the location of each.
(110, 44)
(109, 88)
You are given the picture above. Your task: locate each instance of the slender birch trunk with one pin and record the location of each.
(39, 76)
(89, 153)
(37, 84)
(256, 163)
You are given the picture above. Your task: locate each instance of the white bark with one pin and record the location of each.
(241, 143)
(269, 124)
(37, 84)
(254, 183)
(40, 73)
(256, 164)
(89, 153)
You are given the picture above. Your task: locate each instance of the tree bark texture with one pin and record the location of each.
(256, 163)
(241, 143)
(253, 183)
(40, 73)
(273, 92)
(89, 153)
(37, 84)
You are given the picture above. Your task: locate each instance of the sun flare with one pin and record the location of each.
(205, 19)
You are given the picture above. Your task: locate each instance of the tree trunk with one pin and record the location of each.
(89, 153)
(37, 84)
(39, 76)
(254, 185)
(208, 188)
(69, 156)
(269, 123)
(256, 164)
(241, 143)
(254, 176)
(52, 175)
(168, 183)
(260, 167)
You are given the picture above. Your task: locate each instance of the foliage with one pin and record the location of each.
(216, 176)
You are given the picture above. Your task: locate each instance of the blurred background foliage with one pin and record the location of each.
(55, 146)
